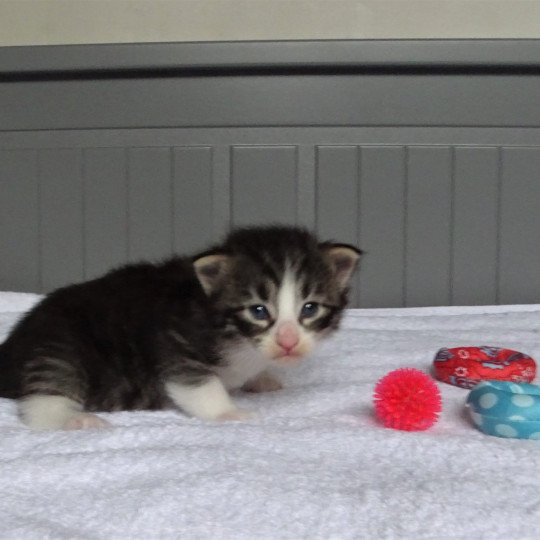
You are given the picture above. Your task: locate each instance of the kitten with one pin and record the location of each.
(180, 333)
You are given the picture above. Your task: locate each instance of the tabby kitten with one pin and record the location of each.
(180, 333)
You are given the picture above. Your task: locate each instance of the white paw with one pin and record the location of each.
(235, 415)
(85, 421)
(263, 383)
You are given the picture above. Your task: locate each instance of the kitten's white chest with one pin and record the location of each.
(243, 363)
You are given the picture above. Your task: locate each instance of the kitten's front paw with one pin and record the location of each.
(265, 382)
(235, 415)
(85, 421)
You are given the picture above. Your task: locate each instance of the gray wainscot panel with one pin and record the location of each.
(424, 153)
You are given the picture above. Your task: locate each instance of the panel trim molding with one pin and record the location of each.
(63, 60)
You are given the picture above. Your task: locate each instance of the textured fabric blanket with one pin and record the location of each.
(313, 463)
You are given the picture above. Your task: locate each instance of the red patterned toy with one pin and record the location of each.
(467, 366)
(407, 399)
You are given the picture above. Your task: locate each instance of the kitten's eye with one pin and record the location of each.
(259, 313)
(309, 310)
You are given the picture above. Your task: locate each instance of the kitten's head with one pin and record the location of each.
(278, 287)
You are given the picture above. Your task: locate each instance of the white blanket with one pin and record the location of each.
(312, 464)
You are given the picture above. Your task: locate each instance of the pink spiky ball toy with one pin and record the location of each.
(407, 399)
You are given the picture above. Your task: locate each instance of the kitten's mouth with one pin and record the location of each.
(288, 358)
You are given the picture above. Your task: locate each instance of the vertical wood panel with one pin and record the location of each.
(61, 205)
(337, 192)
(475, 238)
(428, 248)
(263, 185)
(382, 221)
(520, 226)
(193, 205)
(19, 221)
(221, 191)
(306, 187)
(337, 198)
(150, 203)
(105, 219)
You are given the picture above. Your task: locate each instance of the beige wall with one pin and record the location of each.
(37, 22)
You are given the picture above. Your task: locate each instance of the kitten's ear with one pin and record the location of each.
(211, 269)
(343, 259)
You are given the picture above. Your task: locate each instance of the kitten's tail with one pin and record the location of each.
(7, 386)
(3, 354)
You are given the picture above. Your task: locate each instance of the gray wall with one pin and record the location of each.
(425, 154)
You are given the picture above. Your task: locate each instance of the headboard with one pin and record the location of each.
(426, 154)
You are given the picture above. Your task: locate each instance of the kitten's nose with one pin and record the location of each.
(287, 336)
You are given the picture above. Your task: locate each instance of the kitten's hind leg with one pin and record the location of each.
(40, 411)
(207, 399)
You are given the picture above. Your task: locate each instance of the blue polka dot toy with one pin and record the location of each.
(506, 409)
